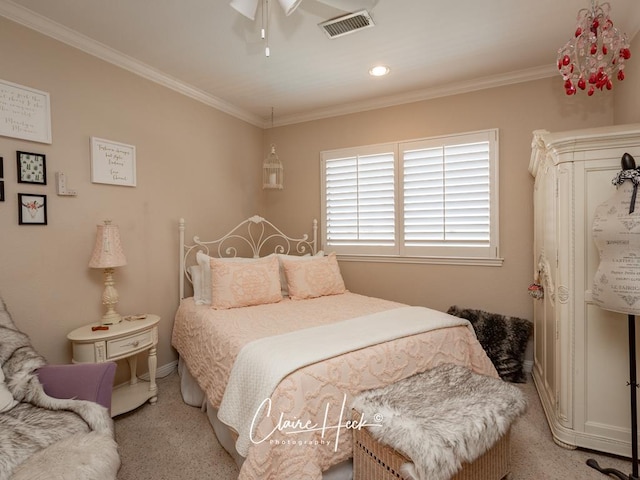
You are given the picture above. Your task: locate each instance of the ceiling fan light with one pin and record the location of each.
(247, 8)
(289, 6)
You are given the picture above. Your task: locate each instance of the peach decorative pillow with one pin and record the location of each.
(312, 278)
(293, 258)
(241, 284)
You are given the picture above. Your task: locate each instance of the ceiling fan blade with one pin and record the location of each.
(246, 7)
(350, 5)
(289, 6)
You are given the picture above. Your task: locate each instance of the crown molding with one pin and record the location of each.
(430, 93)
(45, 26)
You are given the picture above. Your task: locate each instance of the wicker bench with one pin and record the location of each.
(375, 460)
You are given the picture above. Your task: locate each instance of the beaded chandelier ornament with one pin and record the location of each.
(596, 54)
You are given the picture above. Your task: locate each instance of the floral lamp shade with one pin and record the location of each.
(107, 252)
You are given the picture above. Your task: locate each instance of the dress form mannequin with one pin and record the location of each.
(616, 285)
(616, 233)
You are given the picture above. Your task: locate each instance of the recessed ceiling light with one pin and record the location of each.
(378, 71)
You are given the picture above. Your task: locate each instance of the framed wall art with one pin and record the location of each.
(24, 113)
(1, 168)
(32, 209)
(1, 190)
(113, 163)
(32, 168)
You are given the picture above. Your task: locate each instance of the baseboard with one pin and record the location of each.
(162, 371)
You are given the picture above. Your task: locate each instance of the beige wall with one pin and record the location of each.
(626, 104)
(192, 161)
(197, 162)
(516, 111)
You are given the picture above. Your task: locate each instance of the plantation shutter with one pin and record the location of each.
(447, 197)
(433, 199)
(360, 201)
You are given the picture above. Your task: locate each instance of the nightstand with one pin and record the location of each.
(125, 340)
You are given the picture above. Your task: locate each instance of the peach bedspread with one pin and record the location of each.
(305, 432)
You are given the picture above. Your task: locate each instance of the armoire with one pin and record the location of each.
(581, 359)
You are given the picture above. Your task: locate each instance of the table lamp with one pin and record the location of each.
(108, 254)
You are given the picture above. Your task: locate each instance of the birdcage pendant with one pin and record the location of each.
(272, 171)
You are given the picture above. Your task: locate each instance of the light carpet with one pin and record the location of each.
(171, 440)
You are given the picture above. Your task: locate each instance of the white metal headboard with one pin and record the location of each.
(254, 235)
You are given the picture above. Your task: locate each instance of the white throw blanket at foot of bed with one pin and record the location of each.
(263, 363)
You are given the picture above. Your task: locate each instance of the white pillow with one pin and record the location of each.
(205, 276)
(196, 280)
(294, 258)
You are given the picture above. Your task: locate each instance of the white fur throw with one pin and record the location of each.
(38, 421)
(441, 418)
(82, 456)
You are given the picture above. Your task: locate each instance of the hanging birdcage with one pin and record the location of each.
(272, 171)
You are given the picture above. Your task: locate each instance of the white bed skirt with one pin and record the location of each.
(193, 395)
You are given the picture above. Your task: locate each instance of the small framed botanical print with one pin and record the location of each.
(32, 209)
(32, 168)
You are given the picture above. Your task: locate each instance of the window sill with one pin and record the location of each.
(477, 261)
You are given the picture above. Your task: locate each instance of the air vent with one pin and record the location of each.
(347, 24)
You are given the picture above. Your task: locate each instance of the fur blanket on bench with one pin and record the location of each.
(441, 418)
(33, 421)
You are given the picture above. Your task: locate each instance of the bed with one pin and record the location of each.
(275, 347)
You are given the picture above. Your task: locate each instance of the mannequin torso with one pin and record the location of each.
(616, 233)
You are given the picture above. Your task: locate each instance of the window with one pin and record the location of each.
(433, 198)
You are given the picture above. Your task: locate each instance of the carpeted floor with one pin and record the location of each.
(171, 440)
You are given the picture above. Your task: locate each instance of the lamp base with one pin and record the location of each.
(110, 299)
(111, 318)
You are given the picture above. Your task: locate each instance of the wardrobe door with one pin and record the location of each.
(545, 245)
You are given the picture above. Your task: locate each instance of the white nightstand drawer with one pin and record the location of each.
(122, 346)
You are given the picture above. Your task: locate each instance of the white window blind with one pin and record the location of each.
(434, 197)
(359, 199)
(446, 195)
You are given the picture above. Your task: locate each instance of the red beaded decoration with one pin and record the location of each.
(595, 55)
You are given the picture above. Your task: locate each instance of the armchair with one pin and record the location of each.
(82, 381)
(54, 419)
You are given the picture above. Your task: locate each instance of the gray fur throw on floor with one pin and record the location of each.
(37, 420)
(503, 338)
(441, 418)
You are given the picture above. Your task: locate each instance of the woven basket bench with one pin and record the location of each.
(373, 460)
(452, 420)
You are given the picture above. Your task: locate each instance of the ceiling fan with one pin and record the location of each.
(248, 8)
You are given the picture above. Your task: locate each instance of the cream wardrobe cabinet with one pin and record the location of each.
(580, 350)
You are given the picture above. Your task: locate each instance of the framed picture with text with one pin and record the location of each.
(32, 168)
(113, 162)
(32, 209)
(24, 113)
